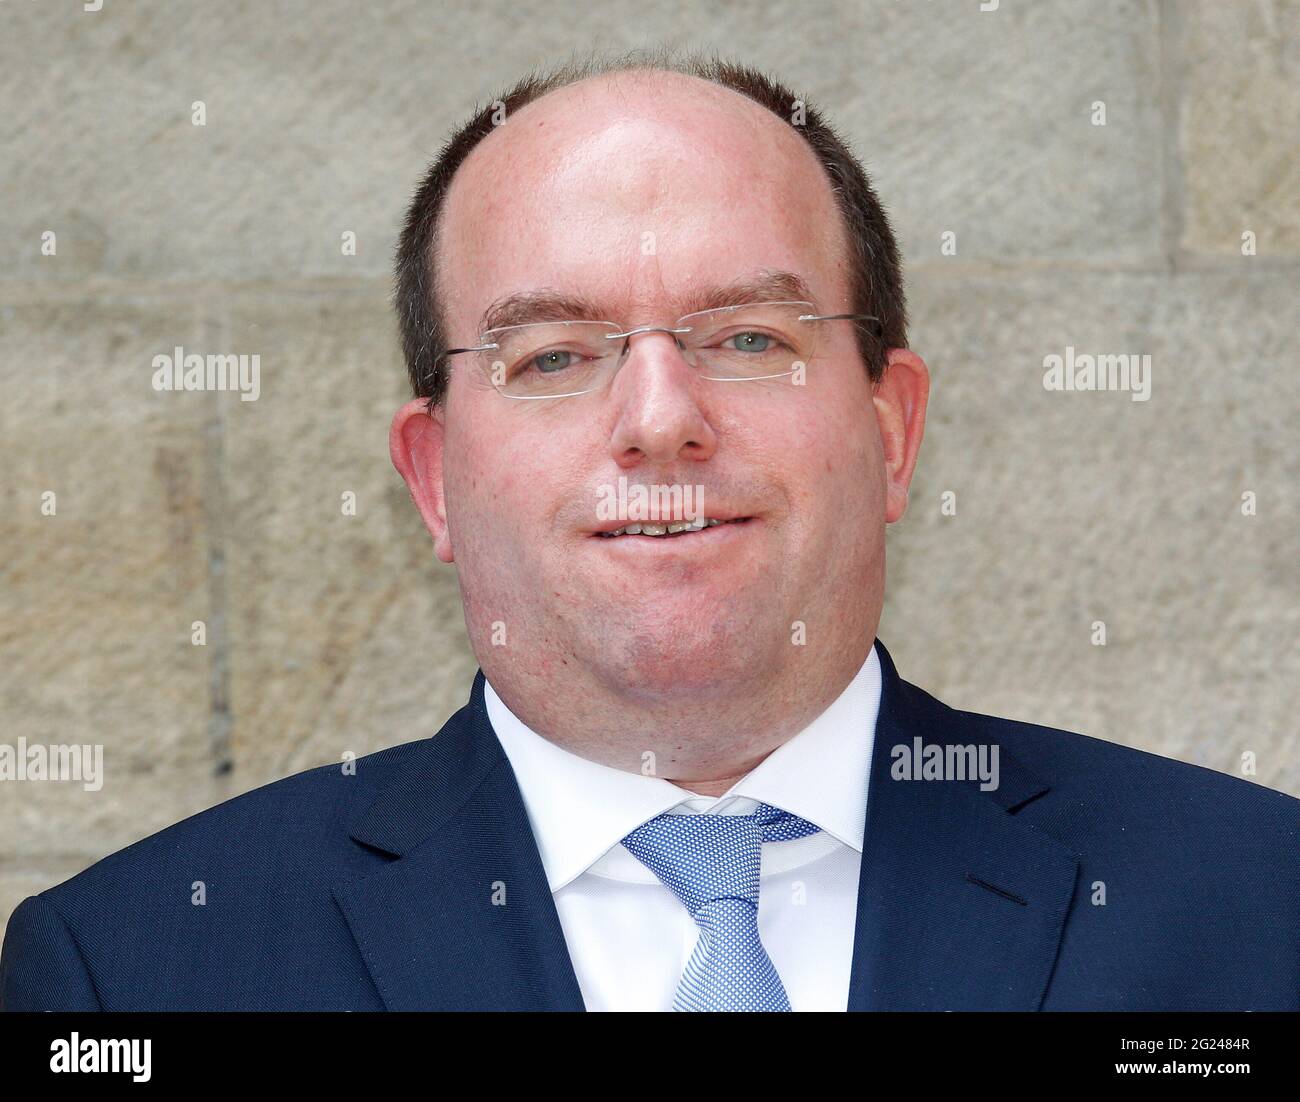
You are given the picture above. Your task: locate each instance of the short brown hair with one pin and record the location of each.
(877, 278)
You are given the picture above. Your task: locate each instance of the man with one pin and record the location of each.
(688, 775)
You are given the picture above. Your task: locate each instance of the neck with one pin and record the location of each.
(702, 740)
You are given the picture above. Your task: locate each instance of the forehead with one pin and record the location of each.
(635, 191)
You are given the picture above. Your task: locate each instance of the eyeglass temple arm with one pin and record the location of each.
(476, 348)
(839, 317)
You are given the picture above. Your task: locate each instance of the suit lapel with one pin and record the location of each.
(961, 905)
(463, 918)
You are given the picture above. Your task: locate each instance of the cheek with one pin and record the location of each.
(828, 453)
(850, 446)
(500, 491)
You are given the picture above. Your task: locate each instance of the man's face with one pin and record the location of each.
(633, 193)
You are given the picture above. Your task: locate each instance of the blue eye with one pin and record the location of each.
(751, 342)
(552, 361)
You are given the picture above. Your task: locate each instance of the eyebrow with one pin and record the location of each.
(526, 307)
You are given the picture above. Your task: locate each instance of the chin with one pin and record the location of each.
(699, 666)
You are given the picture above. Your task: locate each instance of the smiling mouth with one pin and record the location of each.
(668, 531)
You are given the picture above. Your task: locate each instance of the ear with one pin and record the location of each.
(900, 399)
(415, 443)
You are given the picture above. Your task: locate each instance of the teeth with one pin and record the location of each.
(665, 529)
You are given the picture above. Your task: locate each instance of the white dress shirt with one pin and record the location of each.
(629, 937)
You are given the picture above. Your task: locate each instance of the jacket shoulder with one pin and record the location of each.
(230, 908)
(288, 827)
(1186, 890)
(1104, 798)
(1089, 767)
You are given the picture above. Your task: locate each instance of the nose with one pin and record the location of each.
(656, 393)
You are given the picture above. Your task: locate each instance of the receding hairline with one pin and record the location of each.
(642, 73)
(870, 258)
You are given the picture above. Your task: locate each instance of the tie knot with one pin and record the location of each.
(705, 858)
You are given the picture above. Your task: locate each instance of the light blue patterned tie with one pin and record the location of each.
(711, 863)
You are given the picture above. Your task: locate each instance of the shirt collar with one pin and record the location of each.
(580, 809)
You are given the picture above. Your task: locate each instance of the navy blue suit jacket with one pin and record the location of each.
(327, 891)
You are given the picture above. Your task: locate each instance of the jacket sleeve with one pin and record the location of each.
(41, 967)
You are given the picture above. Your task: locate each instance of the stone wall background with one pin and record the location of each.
(329, 633)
